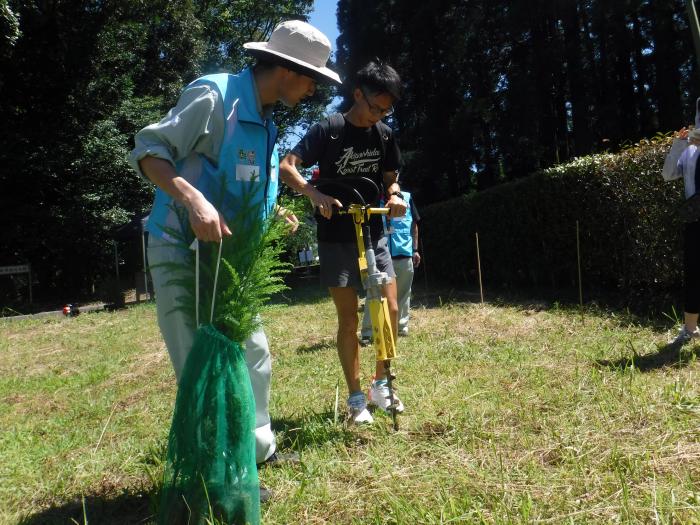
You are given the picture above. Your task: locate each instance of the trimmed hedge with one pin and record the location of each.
(630, 232)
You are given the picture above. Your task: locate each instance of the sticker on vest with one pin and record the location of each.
(247, 173)
(273, 173)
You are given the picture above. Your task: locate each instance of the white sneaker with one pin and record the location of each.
(379, 397)
(685, 335)
(359, 416)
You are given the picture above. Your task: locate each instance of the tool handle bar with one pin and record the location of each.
(345, 210)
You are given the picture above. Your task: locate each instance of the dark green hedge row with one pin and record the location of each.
(630, 232)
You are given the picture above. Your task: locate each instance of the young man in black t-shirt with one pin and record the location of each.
(368, 149)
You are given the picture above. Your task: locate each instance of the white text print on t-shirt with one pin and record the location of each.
(351, 163)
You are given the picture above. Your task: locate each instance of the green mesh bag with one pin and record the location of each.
(211, 472)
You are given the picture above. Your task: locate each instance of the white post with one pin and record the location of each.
(578, 260)
(116, 259)
(145, 270)
(478, 262)
(29, 271)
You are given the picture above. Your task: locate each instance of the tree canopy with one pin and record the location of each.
(79, 78)
(495, 90)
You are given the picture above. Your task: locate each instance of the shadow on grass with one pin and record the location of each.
(126, 509)
(659, 316)
(668, 355)
(300, 291)
(439, 295)
(314, 430)
(325, 344)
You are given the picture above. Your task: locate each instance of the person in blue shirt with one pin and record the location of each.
(405, 257)
(222, 127)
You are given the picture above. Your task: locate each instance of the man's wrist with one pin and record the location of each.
(190, 197)
(308, 189)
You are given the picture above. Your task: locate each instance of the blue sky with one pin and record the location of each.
(323, 17)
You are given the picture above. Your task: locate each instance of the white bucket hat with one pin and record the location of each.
(301, 44)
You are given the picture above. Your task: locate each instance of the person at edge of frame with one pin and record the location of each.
(682, 161)
(360, 153)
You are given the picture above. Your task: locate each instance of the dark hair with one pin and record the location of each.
(379, 77)
(263, 64)
(268, 61)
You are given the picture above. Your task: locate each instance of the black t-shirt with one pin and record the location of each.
(359, 155)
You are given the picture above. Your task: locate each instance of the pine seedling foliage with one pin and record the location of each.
(250, 269)
(251, 272)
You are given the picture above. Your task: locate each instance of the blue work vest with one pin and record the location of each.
(248, 161)
(400, 240)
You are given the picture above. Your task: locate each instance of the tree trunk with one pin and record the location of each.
(666, 60)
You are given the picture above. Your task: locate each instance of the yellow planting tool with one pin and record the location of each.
(373, 280)
(355, 193)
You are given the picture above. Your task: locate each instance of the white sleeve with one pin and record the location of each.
(672, 170)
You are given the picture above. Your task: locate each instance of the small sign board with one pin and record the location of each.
(19, 268)
(11, 270)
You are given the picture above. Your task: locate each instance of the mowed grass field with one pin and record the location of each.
(515, 414)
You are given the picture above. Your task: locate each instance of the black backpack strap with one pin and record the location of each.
(336, 126)
(336, 130)
(384, 132)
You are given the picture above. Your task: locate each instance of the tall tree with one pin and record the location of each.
(579, 85)
(667, 84)
(84, 76)
(495, 90)
(9, 30)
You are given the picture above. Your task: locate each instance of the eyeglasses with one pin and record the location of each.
(375, 109)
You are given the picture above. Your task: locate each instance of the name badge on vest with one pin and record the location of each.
(245, 172)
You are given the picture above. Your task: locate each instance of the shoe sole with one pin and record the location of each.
(399, 410)
(280, 460)
(360, 423)
(265, 495)
(352, 422)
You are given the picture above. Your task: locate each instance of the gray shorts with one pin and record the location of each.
(339, 267)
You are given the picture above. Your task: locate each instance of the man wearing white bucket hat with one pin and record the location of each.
(222, 127)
